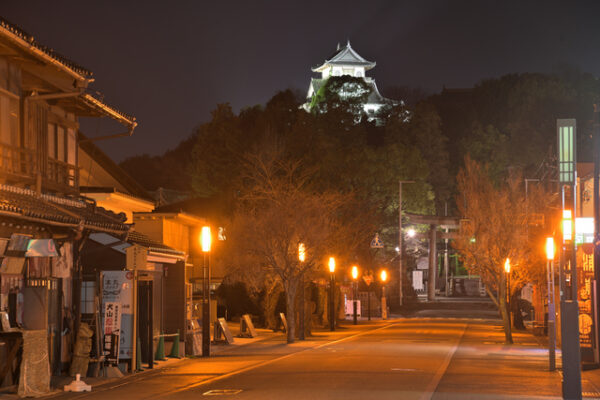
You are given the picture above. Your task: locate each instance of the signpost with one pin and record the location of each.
(569, 309)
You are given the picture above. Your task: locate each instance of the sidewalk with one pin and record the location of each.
(57, 383)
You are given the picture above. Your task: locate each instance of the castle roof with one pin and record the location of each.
(345, 56)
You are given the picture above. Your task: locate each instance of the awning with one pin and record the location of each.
(41, 248)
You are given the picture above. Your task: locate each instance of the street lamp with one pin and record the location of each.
(331, 294)
(354, 305)
(205, 242)
(411, 233)
(383, 277)
(301, 258)
(551, 312)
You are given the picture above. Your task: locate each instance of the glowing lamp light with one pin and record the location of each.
(354, 272)
(507, 266)
(383, 275)
(567, 225)
(411, 232)
(550, 249)
(205, 239)
(301, 252)
(331, 265)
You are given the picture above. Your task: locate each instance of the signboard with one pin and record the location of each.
(112, 328)
(417, 280)
(283, 321)
(585, 290)
(376, 243)
(117, 287)
(566, 133)
(17, 246)
(137, 257)
(247, 327)
(225, 330)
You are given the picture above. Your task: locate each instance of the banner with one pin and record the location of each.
(112, 331)
(585, 277)
(117, 287)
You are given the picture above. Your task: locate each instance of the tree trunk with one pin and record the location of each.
(290, 295)
(505, 316)
(515, 305)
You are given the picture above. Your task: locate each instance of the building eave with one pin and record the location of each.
(27, 43)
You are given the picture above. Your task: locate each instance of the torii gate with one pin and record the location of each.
(434, 222)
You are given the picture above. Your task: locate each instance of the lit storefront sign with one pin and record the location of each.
(584, 230)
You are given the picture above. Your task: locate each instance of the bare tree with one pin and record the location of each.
(496, 228)
(277, 212)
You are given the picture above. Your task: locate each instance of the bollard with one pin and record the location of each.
(175, 348)
(160, 349)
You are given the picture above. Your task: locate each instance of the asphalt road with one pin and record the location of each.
(401, 359)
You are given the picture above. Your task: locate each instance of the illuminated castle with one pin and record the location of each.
(346, 61)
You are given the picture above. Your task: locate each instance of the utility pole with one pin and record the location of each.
(400, 268)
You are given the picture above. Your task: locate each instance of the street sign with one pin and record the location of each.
(376, 243)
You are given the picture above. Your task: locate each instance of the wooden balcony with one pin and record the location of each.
(21, 166)
(62, 174)
(17, 161)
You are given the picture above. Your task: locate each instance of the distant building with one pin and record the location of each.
(346, 61)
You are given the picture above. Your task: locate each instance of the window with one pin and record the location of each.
(88, 291)
(61, 143)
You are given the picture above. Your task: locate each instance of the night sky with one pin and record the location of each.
(170, 63)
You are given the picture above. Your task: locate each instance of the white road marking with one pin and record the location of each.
(430, 390)
(267, 362)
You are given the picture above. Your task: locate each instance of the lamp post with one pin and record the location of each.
(354, 305)
(205, 241)
(331, 294)
(383, 277)
(301, 258)
(551, 312)
(507, 270)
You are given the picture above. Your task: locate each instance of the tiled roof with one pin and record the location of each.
(21, 34)
(143, 240)
(53, 210)
(345, 56)
(94, 102)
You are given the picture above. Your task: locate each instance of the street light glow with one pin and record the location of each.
(301, 252)
(383, 275)
(331, 265)
(550, 248)
(411, 232)
(354, 272)
(507, 266)
(205, 239)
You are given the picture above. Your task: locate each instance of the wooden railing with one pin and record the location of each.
(18, 161)
(61, 173)
(24, 163)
